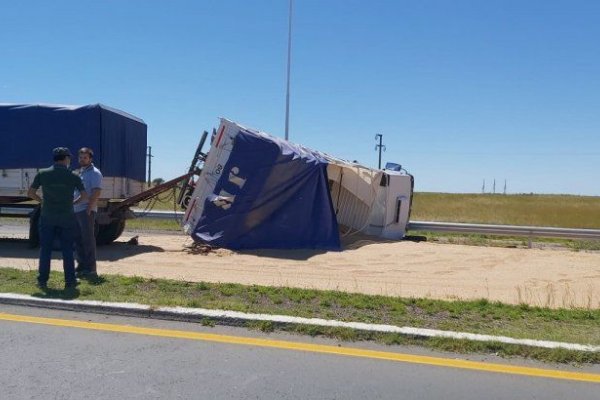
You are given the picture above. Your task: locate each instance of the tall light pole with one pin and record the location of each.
(289, 61)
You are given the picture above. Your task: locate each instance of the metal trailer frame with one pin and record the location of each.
(112, 213)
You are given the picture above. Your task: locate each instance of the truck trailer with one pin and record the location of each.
(256, 191)
(29, 132)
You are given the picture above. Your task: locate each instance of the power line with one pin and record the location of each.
(379, 146)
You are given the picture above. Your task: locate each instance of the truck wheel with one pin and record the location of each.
(34, 228)
(109, 233)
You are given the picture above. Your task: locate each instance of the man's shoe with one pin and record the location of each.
(72, 285)
(41, 285)
(89, 275)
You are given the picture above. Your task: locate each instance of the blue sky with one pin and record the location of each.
(462, 91)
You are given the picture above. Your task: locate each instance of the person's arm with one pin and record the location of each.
(32, 192)
(83, 196)
(96, 190)
(93, 199)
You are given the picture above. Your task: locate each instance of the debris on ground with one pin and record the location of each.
(198, 248)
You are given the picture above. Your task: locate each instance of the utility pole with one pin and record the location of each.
(379, 146)
(494, 186)
(483, 187)
(505, 186)
(149, 165)
(289, 61)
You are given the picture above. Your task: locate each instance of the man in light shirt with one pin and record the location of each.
(85, 213)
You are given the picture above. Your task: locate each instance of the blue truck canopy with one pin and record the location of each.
(262, 192)
(29, 132)
(258, 191)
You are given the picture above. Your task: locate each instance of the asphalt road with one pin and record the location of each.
(63, 362)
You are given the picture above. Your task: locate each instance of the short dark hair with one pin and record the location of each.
(59, 153)
(60, 157)
(86, 150)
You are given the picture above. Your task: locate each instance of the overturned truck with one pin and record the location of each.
(259, 191)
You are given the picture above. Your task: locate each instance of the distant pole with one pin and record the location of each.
(289, 62)
(149, 165)
(483, 187)
(379, 147)
(494, 191)
(505, 186)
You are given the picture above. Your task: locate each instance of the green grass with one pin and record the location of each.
(535, 210)
(563, 211)
(163, 202)
(568, 325)
(144, 224)
(475, 239)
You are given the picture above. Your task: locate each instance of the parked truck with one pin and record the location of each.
(29, 132)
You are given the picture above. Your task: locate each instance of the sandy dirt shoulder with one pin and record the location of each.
(549, 278)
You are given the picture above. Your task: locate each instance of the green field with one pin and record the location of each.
(535, 210)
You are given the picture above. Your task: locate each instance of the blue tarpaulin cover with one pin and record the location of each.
(29, 132)
(275, 195)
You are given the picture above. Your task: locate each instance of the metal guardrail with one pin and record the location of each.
(158, 214)
(25, 211)
(506, 230)
(155, 214)
(454, 227)
(450, 227)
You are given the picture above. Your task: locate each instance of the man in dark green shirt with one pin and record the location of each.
(57, 218)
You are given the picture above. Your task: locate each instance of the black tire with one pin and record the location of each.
(34, 228)
(109, 233)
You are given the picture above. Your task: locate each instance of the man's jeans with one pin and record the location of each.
(65, 233)
(85, 242)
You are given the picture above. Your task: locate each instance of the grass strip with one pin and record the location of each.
(149, 224)
(484, 317)
(476, 239)
(564, 211)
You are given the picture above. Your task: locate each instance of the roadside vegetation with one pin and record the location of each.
(475, 239)
(484, 317)
(562, 211)
(146, 224)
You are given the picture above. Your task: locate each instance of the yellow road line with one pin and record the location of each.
(314, 348)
